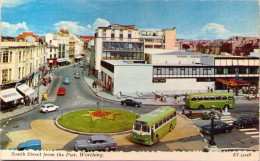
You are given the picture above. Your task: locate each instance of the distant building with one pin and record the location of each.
(28, 37)
(164, 39)
(86, 39)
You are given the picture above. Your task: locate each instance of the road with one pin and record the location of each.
(79, 96)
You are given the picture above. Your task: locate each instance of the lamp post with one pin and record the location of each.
(237, 76)
(212, 114)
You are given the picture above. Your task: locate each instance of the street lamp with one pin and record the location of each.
(237, 76)
(212, 114)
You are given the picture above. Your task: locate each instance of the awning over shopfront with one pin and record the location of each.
(60, 60)
(227, 82)
(10, 94)
(25, 89)
(245, 83)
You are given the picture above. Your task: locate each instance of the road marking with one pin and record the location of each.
(255, 136)
(252, 129)
(205, 140)
(249, 133)
(201, 135)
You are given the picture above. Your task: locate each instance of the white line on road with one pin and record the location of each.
(250, 133)
(201, 135)
(252, 129)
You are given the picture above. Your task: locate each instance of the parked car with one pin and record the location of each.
(131, 102)
(66, 81)
(96, 143)
(30, 144)
(77, 72)
(61, 91)
(77, 76)
(219, 127)
(245, 122)
(48, 107)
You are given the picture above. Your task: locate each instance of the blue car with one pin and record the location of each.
(30, 144)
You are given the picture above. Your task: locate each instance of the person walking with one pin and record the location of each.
(178, 99)
(183, 109)
(155, 98)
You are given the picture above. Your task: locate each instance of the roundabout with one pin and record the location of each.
(96, 121)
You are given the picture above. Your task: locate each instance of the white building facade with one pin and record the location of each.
(176, 71)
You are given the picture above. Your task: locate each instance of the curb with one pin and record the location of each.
(35, 107)
(83, 133)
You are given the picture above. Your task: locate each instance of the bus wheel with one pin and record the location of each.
(156, 139)
(201, 107)
(171, 128)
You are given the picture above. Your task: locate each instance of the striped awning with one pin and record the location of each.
(9, 95)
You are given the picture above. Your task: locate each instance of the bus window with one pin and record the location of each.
(137, 127)
(218, 98)
(160, 123)
(174, 114)
(200, 98)
(164, 120)
(224, 97)
(156, 125)
(231, 98)
(168, 118)
(194, 99)
(145, 129)
(206, 98)
(212, 98)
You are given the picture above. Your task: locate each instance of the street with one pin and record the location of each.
(185, 136)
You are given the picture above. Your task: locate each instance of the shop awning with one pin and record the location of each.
(227, 82)
(60, 60)
(240, 82)
(25, 89)
(10, 94)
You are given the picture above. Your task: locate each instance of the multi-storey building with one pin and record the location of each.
(21, 60)
(117, 42)
(163, 39)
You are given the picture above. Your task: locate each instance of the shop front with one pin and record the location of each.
(10, 99)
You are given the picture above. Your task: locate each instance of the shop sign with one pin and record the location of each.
(159, 80)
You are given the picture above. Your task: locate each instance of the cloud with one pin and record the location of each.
(13, 29)
(75, 28)
(14, 3)
(214, 31)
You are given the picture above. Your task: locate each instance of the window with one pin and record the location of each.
(19, 73)
(10, 74)
(212, 98)
(200, 98)
(113, 35)
(231, 98)
(5, 57)
(206, 98)
(156, 125)
(50, 49)
(137, 127)
(164, 120)
(121, 35)
(50, 41)
(4, 76)
(194, 99)
(218, 97)
(224, 97)
(171, 71)
(145, 128)
(20, 57)
(160, 123)
(159, 71)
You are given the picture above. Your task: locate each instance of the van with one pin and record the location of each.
(30, 144)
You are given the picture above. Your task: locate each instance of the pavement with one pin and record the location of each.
(147, 98)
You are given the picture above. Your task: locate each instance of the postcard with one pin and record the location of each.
(129, 80)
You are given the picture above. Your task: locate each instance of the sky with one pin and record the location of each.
(207, 20)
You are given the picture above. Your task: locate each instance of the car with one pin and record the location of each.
(245, 122)
(219, 127)
(131, 102)
(77, 76)
(96, 143)
(77, 72)
(66, 81)
(29, 145)
(48, 107)
(61, 91)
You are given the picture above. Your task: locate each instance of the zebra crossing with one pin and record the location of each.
(227, 119)
(253, 132)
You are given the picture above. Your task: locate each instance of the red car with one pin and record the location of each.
(61, 91)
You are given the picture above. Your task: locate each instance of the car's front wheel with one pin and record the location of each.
(124, 104)
(46, 111)
(56, 109)
(84, 150)
(136, 105)
(107, 148)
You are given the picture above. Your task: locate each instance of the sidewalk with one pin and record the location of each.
(148, 98)
(21, 110)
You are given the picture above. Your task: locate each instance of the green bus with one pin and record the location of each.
(149, 128)
(206, 100)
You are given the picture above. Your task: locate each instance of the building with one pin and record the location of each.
(86, 39)
(21, 61)
(117, 42)
(28, 37)
(176, 71)
(164, 39)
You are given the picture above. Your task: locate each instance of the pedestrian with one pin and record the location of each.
(175, 98)
(228, 89)
(155, 98)
(208, 89)
(183, 110)
(221, 110)
(178, 99)
(211, 90)
(22, 101)
(93, 84)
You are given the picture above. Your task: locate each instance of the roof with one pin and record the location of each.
(209, 94)
(98, 137)
(153, 117)
(47, 104)
(182, 53)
